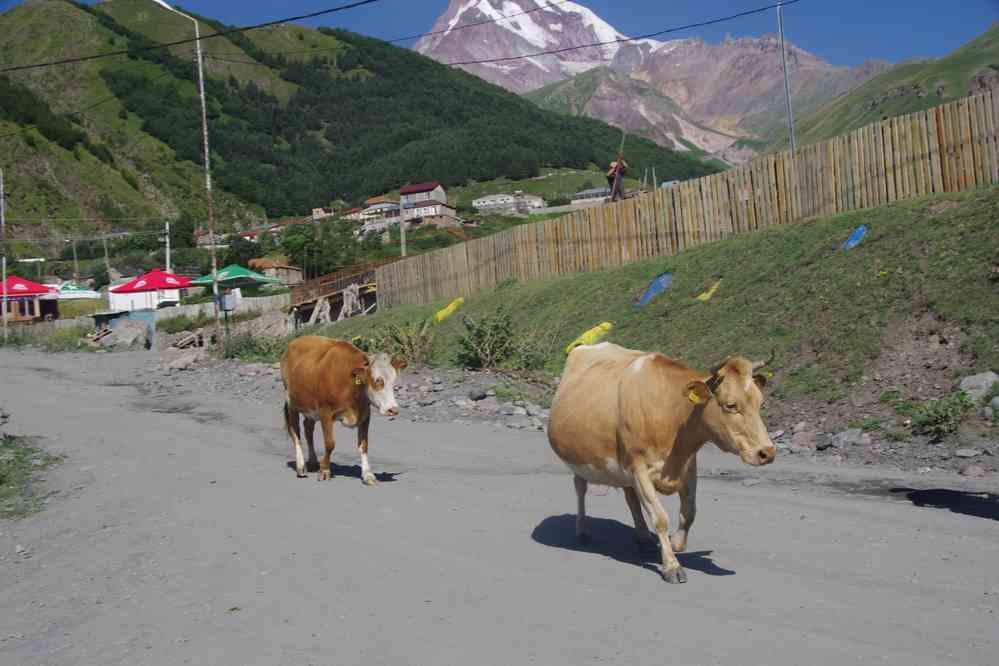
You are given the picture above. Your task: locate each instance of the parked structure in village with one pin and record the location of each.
(591, 197)
(516, 203)
(276, 268)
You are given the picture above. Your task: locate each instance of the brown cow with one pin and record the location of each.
(636, 420)
(330, 380)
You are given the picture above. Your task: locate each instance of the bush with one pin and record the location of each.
(488, 342)
(942, 417)
(181, 323)
(67, 340)
(246, 347)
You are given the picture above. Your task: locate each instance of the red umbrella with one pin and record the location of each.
(15, 286)
(154, 280)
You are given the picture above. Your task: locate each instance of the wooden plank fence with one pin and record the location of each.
(949, 148)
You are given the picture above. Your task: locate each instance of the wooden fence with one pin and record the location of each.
(948, 148)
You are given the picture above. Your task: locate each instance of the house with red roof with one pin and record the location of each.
(422, 192)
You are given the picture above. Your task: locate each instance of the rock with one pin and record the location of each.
(488, 405)
(436, 381)
(973, 471)
(508, 410)
(777, 434)
(751, 482)
(128, 335)
(799, 426)
(534, 410)
(247, 371)
(538, 424)
(987, 413)
(851, 437)
(967, 453)
(802, 441)
(19, 549)
(491, 392)
(477, 394)
(426, 402)
(519, 411)
(978, 386)
(519, 403)
(995, 404)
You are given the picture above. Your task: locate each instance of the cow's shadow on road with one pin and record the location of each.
(349, 471)
(614, 539)
(979, 505)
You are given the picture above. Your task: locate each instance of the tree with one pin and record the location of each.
(240, 252)
(101, 278)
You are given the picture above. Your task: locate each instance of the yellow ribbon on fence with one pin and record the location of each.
(590, 336)
(441, 315)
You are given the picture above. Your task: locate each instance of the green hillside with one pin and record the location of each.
(905, 88)
(298, 118)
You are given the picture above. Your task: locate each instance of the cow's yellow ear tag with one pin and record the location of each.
(694, 398)
(358, 379)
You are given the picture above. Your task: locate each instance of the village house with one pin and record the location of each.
(593, 196)
(433, 213)
(422, 192)
(322, 213)
(277, 268)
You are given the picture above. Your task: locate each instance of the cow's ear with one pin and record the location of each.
(697, 392)
(760, 379)
(399, 363)
(358, 375)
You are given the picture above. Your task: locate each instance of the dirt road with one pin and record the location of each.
(178, 535)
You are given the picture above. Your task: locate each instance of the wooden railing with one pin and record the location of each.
(948, 148)
(332, 283)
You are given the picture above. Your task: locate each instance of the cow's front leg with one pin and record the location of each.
(326, 420)
(291, 421)
(688, 507)
(645, 540)
(367, 477)
(312, 464)
(582, 533)
(672, 571)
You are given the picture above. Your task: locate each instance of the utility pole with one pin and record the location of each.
(208, 168)
(655, 181)
(402, 225)
(3, 249)
(168, 247)
(787, 85)
(76, 265)
(107, 261)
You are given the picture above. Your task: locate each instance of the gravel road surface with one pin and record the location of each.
(175, 533)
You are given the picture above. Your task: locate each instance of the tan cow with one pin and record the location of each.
(636, 420)
(330, 380)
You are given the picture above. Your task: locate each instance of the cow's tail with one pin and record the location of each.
(291, 427)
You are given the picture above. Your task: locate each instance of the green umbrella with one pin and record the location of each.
(233, 276)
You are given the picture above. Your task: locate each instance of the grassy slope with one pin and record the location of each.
(46, 180)
(852, 110)
(826, 312)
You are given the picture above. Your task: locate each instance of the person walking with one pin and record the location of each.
(615, 177)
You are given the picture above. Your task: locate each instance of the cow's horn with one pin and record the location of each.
(718, 366)
(761, 364)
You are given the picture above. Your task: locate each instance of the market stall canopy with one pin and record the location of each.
(154, 280)
(233, 276)
(17, 287)
(71, 291)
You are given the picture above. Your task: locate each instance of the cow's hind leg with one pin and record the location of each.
(312, 464)
(367, 476)
(645, 540)
(326, 420)
(688, 507)
(582, 531)
(291, 422)
(672, 571)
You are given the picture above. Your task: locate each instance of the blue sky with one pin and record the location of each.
(841, 31)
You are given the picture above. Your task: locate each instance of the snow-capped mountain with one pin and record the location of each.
(515, 27)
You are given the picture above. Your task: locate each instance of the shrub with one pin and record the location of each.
(246, 347)
(181, 323)
(67, 340)
(487, 342)
(939, 418)
(413, 340)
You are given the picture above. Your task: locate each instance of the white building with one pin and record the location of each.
(518, 202)
(421, 192)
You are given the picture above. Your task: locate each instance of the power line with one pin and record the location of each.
(223, 33)
(624, 40)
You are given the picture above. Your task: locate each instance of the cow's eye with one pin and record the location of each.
(732, 407)
(379, 384)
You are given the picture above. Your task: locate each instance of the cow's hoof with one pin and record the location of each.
(301, 474)
(675, 576)
(325, 475)
(583, 539)
(370, 480)
(312, 466)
